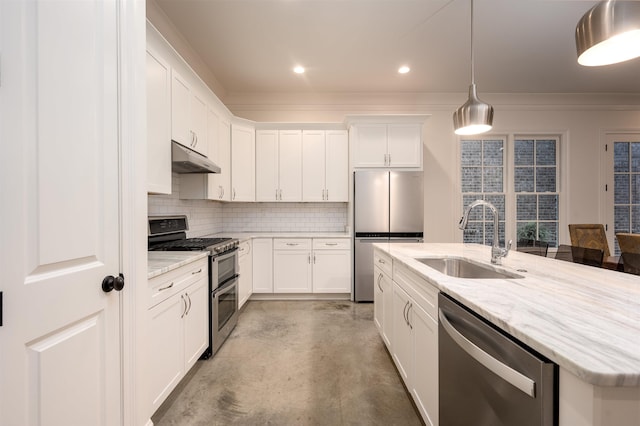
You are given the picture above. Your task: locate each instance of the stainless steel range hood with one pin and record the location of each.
(184, 160)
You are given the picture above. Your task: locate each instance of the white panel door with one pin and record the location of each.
(196, 322)
(405, 145)
(331, 271)
(222, 180)
(60, 356)
(292, 271)
(243, 164)
(370, 148)
(198, 120)
(262, 258)
(290, 165)
(313, 165)
(337, 166)
(180, 104)
(266, 165)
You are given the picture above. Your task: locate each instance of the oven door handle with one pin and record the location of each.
(505, 372)
(222, 288)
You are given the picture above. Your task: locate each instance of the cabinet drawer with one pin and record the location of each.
(166, 285)
(383, 261)
(424, 294)
(292, 244)
(331, 243)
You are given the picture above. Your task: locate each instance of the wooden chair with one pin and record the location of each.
(589, 235)
(583, 255)
(536, 247)
(629, 243)
(630, 263)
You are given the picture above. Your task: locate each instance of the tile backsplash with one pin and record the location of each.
(210, 217)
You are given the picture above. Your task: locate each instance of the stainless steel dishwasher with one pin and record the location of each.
(488, 378)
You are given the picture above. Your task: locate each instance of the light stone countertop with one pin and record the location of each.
(585, 319)
(242, 236)
(159, 262)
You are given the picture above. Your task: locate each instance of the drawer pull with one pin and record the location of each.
(194, 272)
(331, 244)
(381, 261)
(165, 288)
(292, 244)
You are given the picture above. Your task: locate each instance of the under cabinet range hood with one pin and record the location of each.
(184, 160)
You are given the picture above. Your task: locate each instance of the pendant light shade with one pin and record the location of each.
(609, 33)
(474, 116)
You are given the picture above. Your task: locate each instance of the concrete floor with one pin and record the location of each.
(295, 363)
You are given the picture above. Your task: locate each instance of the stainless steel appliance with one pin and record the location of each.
(487, 378)
(388, 208)
(168, 233)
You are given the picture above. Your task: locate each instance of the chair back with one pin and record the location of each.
(629, 243)
(631, 263)
(583, 255)
(589, 235)
(536, 247)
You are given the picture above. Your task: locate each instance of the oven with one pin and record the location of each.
(223, 300)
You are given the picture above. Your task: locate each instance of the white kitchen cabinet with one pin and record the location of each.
(424, 385)
(279, 165)
(325, 165)
(245, 264)
(188, 115)
(243, 184)
(292, 265)
(388, 145)
(262, 265)
(402, 337)
(383, 304)
(331, 265)
(178, 326)
(158, 77)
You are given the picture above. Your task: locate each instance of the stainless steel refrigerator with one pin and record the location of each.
(388, 208)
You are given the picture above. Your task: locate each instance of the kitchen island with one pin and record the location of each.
(585, 319)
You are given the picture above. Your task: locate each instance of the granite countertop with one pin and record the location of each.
(585, 319)
(242, 236)
(159, 262)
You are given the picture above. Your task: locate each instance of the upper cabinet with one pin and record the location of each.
(386, 144)
(325, 165)
(158, 124)
(243, 163)
(279, 165)
(188, 115)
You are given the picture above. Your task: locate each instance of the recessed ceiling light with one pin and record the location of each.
(298, 70)
(404, 69)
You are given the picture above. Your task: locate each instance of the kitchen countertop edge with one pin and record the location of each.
(161, 262)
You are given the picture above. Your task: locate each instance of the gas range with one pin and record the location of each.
(168, 233)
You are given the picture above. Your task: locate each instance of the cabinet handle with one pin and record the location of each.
(234, 194)
(380, 279)
(165, 288)
(330, 244)
(381, 261)
(184, 306)
(327, 193)
(194, 272)
(404, 312)
(189, 308)
(292, 244)
(314, 259)
(389, 156)
(309, 259)
(408, 319)
(276, 194)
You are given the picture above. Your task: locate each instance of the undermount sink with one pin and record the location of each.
(461, 268)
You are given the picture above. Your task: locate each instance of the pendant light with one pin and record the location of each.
(474, 116)
(609, 33)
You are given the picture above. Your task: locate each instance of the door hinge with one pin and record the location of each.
(606, 227)
(1, 309)
(606, 187)
(606, 147)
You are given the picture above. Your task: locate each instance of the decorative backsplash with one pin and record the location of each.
(210, 217)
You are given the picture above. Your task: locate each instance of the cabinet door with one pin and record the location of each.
(290, 165)
(292, 271)
(370, 148)
(387, 309)
(424, 387)
(313, 165)
(198, 127)
(180, 103)
(402, 338)
(243, 185)
(196, 322)
(331, 271)
(165, 344)
(378, 299)
(158, 124)
(405, 145)
(266, 165)
(262, 265)
(223, 179)
(245, 264)
(337, 166)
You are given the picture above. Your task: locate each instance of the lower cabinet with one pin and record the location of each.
(245, 265)
(292, 265)
(262, 265)
(331, 265)
(405, 312)
(178, 327)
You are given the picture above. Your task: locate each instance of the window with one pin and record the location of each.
(482, 166)
(529, 206)
(626, 179)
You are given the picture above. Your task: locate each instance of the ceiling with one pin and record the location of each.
(521, 46)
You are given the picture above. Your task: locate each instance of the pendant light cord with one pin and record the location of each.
(473, 80)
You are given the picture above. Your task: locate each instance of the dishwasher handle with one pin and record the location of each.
(502, 370)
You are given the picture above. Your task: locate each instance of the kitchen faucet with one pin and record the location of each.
(497, 253)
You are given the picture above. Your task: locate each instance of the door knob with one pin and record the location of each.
(112, 283)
